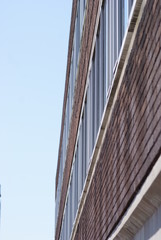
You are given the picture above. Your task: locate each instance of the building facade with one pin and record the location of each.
(108, 182)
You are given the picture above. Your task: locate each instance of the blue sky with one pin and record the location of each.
(33, 54)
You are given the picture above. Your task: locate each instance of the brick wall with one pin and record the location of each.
(70, 47)
(133, 139)
(86, 45)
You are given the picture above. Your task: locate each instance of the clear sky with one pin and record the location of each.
(33, 54)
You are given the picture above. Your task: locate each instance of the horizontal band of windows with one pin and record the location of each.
(111, 29)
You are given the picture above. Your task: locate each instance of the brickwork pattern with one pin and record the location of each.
(86, 45)
(70, 47)
(133, 139)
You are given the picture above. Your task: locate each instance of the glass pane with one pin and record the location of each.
(125, 14)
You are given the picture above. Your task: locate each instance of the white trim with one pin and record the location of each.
(111, 98)
(156, 171)
(123, 57)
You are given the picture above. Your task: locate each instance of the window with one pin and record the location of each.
(126, 13)
(93, 100)
(83, 145)
(101, 66)
(88, 138)
(76, 181)
(80, 167)
(112, 27)
(104, 49)
(96, 80)
(130, 5)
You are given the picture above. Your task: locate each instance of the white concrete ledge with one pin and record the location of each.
(134, 20)
(143, 206)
